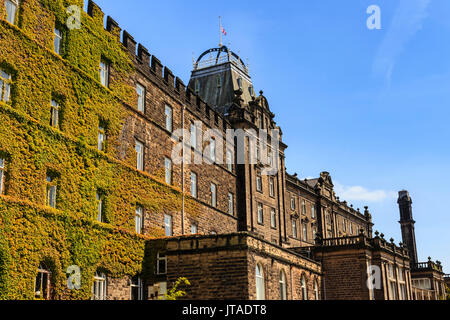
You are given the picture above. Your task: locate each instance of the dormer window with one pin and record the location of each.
(11, 10)
(219, 81)
(197, 86)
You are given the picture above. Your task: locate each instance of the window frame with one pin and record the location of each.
(230, 203)
(272, 187)
(51, 191)
(260, 213)
(294, 228)
(101, 137)
(140, 156)
(161, 258)
(168, 171)
(213, 190)
(260, 282)
(273, 218)
(104, 72)
(168, 225)
(54, 113)
(283, 286)
(58, 38)
(139, 219)
(3, 163)
(304, 288)
(100, 207)
(141, 97)
(5, 86)
(43, 272)
(259, 184)
(168, 117)
(101, 279)
(16, 4)
(194, 186)
(139, 287)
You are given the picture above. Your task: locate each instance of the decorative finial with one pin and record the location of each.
(382, 235)
(261, 92)
(377, 233)
(392, 240)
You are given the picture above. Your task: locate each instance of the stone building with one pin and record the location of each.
(97, 203)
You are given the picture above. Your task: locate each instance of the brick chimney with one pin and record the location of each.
(407, 224)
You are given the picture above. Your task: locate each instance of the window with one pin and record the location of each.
(213, 195)
(258, 152)
(101, 138)
(137, 289)
(197, 86)
(271, 186)
(351, 227)
(258, 182)
(99, 286)
(54, 120)
(104, 73)
(161, 263)
(392, 283)
(270, 157)
(260, 213)
(140, 155)
(212, 149)
(231, 204)
(273, 218)
(194, 228)
(229, 160)
(140, 90)
(251, 91)
(344, 225)
(42, 283)
(11, 10)
(194, 184)
(316, 290)
(168, 170)
(168, 115)
(259, 276)
(292, 203)
(2, 174)
(100, 214)
(219, 81)
(168, 225)
(304, 289)
(303, 207)
(294, 228)
(260, 120)
(51, 192)
(193, 136)
(5, 86)
(58, 40)
(402, 283)
(313, 211)
(283, 290)
(314, 233)
(139, 219)
(305, 232)
(239, 82)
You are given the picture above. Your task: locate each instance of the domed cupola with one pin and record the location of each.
(217, 74)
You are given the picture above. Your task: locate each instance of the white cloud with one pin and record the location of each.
(406, 22)
(358, 193)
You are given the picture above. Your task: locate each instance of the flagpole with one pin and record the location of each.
(220, 31)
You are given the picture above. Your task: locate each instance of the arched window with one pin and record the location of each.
(304, 289)
(99, 286)
(260, 290)
(42, 286)
(283, 295)
(316, 290)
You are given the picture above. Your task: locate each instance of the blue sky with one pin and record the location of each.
(369, 106)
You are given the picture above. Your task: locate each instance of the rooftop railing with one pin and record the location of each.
(428, 266)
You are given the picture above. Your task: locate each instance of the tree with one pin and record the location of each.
(175, 293)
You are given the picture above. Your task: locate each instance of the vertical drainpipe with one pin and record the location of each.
(251, 184)
(182, 172)
(283, 182)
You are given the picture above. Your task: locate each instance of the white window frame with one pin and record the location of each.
(212, 149)
(2, 173)
(5, 86)
(141, 93)
(260, 285)
(313, 211)
(44, 275)
(304, 207)
(294, 228)
(193, 135)
(259, 185)
(104, 73)
(139, 219)
(273, 218)
(305, 231)
(101, 138)
(229, 160)
(194, 228)
(140, 288)
(99, 287)
(54, 114)
(304, 288)
(168, 170)
(168, 116)
(213, 195)
(100, 199)
(139, 147)
(161, 258)
(58, 40)
(271, 186)
(231, 203)
(260, 215)
(168, 225)
(283, 289)
(51, 192)
(316, 290)
(292, 203)
(14, 4)
(194, 190)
